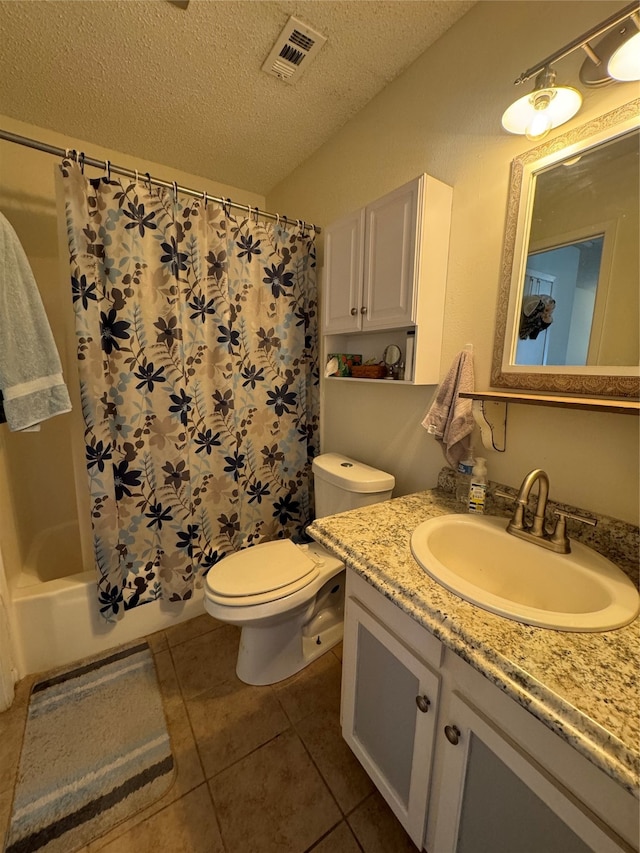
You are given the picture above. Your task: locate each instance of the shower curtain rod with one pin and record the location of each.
(108, 167)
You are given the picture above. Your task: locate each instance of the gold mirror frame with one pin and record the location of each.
(570, 382)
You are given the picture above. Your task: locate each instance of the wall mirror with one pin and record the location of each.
(568, 316)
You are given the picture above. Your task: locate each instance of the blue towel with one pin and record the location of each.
(30, 372)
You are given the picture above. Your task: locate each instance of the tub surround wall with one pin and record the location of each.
(581, 685)
(453, 132)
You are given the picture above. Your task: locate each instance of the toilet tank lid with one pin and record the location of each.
(350, 475)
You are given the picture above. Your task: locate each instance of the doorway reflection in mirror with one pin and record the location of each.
(560, 288)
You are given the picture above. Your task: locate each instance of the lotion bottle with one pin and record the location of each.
(478, 486)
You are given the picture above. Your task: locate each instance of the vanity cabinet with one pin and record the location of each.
(463, 766)
(385, 272)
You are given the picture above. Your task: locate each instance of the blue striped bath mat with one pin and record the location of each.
(96, 750)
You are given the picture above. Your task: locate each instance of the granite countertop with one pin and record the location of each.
(584, 686)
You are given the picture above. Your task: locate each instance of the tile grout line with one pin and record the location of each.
(195, 739)
(32, 677)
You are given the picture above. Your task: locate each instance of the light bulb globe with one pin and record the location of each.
(624, 64)
(539, 125)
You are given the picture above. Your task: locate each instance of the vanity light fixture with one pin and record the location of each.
(545, 108)
(615, 58)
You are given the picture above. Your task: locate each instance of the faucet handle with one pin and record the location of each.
(559, 535)
(584, 519)
(517, 520)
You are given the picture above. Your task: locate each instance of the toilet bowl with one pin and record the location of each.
(289, 601)
(287, 598)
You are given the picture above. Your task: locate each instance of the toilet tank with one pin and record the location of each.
(341, 483)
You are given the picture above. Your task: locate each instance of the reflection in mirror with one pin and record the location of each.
(572, 273)
(579, 204)
(569, 307)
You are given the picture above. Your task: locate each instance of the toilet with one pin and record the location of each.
(287, 598)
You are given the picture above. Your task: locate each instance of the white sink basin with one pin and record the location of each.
(474, 557)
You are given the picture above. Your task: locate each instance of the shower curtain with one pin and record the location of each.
(196, 335)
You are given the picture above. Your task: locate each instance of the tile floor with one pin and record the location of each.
(259, 769)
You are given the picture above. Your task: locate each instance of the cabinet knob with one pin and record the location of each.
(452, 734)
(363, 310)
(423, 703)
(354, 311)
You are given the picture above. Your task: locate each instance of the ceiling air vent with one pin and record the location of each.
(293, 51)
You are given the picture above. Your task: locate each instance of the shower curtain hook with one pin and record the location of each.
(205, 199)
(277, 219)
(81, 161)
(256, 214)
(107, 168)
(148, 180)
(136, 176)
(175, 192)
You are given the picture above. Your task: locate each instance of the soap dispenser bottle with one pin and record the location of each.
(478, 486)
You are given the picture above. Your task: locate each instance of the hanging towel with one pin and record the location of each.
(30, 372)
(449, 418)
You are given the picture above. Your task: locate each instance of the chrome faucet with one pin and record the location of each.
(556, 540)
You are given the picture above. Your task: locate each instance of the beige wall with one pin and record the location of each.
(442, 116)
(37, 486)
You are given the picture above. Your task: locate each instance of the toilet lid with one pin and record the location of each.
(265, 568)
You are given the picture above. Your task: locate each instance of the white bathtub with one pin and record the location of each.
(55, 612)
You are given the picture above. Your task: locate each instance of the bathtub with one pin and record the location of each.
(55, 613)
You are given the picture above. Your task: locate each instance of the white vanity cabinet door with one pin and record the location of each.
(390, 260)
(343, 266)
(389, 709)
(492, 797)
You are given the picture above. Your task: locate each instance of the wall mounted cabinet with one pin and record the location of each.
(463, 766)
(385, 273)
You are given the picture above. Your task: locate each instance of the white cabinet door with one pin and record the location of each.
(343, 262)
(389, 707)
(390, 259)
(492, 797)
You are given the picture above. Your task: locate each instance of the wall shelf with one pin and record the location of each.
(370, 381)
(594, 404)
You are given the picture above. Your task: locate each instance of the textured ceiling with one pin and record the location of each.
(184, 87)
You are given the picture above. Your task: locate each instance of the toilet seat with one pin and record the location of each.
(260, 574)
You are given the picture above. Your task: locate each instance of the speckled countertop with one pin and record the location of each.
(584, 686)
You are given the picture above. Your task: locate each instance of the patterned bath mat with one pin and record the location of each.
(96, 750)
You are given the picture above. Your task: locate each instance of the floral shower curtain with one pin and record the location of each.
(196, 339)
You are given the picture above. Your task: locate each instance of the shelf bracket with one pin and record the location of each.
(491, 417)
